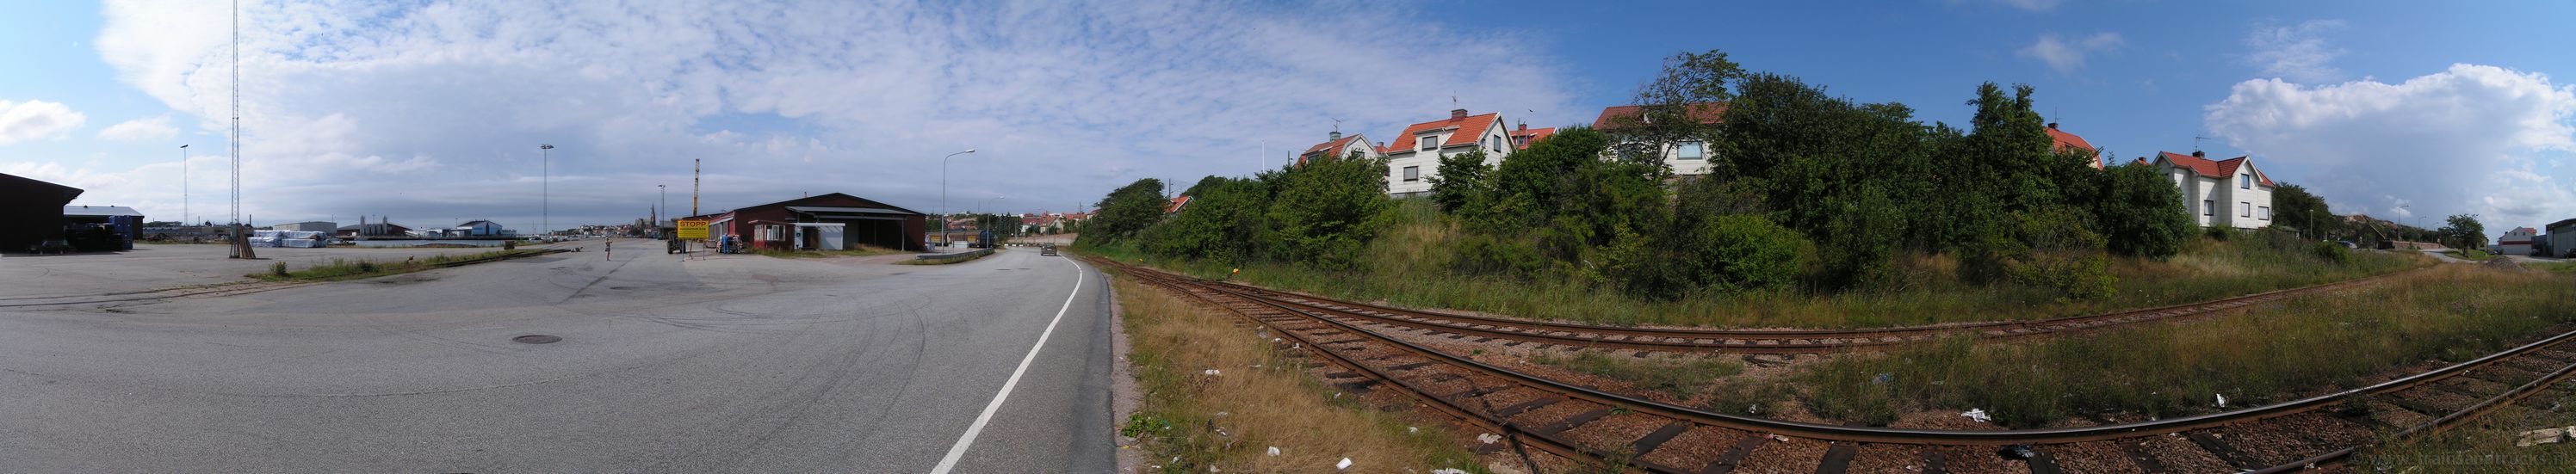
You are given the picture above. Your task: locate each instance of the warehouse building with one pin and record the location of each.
(102, 228)
(31, 212)
(831, 221)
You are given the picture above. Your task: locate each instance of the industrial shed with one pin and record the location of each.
(31, 211)
(832, 221)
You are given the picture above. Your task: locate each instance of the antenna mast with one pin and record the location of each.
(2195, 142)
(241, 243)
(693, 185)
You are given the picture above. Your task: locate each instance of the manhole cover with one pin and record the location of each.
(537, 339)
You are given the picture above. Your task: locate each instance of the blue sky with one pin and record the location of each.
(430, 111)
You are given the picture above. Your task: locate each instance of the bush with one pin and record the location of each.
(1326, 211)
(2142, 213)
(512, 244)
(2073, 275)
(1487, 254)
(1745, 252)
(2333, 253)
(278, 269)
(2219, 233)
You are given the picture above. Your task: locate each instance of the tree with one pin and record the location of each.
(1462, 179)
(2294, 206)
(2141, 212)
(1125, 212)
(1673, 106)
(1325, 212)
(1221, 223)
(2463, 231)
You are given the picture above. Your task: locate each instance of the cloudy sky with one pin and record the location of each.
(431, 112)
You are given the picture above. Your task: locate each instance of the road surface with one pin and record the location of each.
(730, 364)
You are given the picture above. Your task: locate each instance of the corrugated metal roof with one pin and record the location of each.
(101, 211)
(848, 210)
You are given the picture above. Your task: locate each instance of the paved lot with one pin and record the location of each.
(156, 266)
(728, 364)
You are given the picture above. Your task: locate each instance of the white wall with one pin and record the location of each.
(1429, 162)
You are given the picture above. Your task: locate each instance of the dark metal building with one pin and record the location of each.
(31, 212)
(102, 228)
(826, 222)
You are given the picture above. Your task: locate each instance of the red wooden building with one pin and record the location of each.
(832, 221)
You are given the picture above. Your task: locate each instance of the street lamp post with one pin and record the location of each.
(943, 191)
(666, 204)
(545, 184)
(183, 185)
(986, 221)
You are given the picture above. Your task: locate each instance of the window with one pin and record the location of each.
(2244, 181)
(2264, 213)
(1687, 151)
(2244, 209)
(1412, 173)
(1430, 142)
(2208, 207)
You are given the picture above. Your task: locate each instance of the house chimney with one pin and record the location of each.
(2199, 154)
(1337, 135)
(1525, 128)
(2052, 125)
(1455, 114)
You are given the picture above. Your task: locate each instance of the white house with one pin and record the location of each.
(1684, 158)
(2516, 242)
(1415, 156)
(1338, 145)
(2229, 192)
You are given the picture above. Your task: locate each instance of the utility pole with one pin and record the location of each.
(545, 186)
(183, 185)
(694, 168)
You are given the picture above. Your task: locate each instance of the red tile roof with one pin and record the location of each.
(1340, 147)
(2068, 140)
(1533, 135)
(2221, 169)
(1706, 112)
(1477, 123)
(1176, 204)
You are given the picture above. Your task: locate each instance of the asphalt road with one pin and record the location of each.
(731, 364)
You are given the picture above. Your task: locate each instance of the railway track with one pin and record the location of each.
(1743, 341)
(218, 290)
(1592, 427)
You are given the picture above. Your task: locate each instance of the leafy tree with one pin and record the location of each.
(1462, 179)
(2294, 206)
(2141, 212)
(1846, 175)
(1324, 213)
(1672, 105)
(1125, 212)
(2463, 231)
(1221, 223)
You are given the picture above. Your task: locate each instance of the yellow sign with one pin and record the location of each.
(692, 229)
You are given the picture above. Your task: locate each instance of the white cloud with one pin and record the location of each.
(2024, 5)
(436, 109)
(36, 120)
(2066, 57)
(2295, 52)
(156, 128)
(2470, 139)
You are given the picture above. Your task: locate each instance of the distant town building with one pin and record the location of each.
(2067, 141)
(313, 226)
(2229, 192)
(2515, 242)
(383, 227)
(1338, 145)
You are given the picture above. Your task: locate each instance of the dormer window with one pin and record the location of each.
(1430, 142)
(1688, 151)
(2244, 181)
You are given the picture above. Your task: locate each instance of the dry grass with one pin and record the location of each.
(1262, 397)
(2275, 353)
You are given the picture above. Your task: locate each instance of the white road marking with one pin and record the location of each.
(949, 462)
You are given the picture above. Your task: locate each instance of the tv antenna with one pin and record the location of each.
(1337, 125)
(2195, 142)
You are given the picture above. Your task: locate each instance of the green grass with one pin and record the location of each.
(1678, 378)
(1410, 265)
(2486, 445)
(2269, 355)
(2469, 254)
(2562, 268)
(342, 269)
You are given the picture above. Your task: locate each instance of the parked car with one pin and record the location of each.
(1047, 250)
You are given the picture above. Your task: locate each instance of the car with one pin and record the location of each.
(1047, 250)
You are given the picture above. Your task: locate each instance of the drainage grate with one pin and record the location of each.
(537, 339)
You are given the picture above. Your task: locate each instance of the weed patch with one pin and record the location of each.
(1190, 422)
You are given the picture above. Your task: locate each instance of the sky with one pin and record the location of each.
(431, 112)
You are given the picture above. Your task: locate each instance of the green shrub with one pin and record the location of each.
(1495, 255)
(369, 266)
(2073, 275)
(2333, 253)
(512, 244)
(278, 269)
(2219, 233)
(1745, 252)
